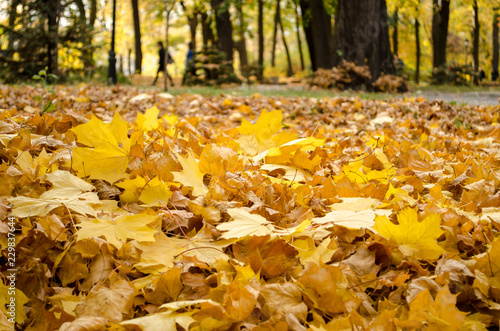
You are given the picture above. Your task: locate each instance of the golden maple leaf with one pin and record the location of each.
(118, 230)
(107, 153)
(190, 175)
(417, 239)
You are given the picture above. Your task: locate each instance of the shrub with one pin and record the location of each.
(209, 68)
(454, 74)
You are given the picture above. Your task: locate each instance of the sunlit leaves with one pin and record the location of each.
(195, 220)
(415, 238)
(107, 149)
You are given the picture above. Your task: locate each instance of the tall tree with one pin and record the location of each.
(362, 35)
(440, 19)
(52, 10)
(12, 22)
(241, 44)
(137, 36)
(224, 27)
(496, 46)
(192, 18)
(475, 41)
(317, 27)
(206, 24)
(417, 51)
(308, 31)
(287, 51)
(299, 39)
(260, 30)
(275, 33)
(395, 32)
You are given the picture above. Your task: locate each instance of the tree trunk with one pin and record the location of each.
(260, 29)
(321, 25)
(395, 32)
(12, 23)
(475, 42)
(137, 36)
(440, 19)
(299, 40)
(287, 52)
(208, 34)
(362, 36)
(129, 62)
(275, 33)
(417, 50)
(241, 45)
(308, 31)
(224, 28)
(193, 23)
(52, 11)
(496, 47)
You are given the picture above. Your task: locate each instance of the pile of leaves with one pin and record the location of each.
(391, 84)
(344, 77)
(152, 212)
(210, 68)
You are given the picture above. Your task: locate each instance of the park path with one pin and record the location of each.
(471, 98)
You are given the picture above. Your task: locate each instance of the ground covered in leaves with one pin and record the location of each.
(149, 212)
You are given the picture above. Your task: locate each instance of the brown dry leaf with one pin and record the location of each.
(111, 303)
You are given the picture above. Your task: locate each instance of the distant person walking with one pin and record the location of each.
(161, 63)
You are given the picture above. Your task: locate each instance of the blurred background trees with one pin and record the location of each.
(418, 39)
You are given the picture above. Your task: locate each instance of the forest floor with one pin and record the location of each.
(123, 208)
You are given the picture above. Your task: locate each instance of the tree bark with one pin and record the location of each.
(496, 47)
(52, 10)
(308, 31)
(417, 51)
(192, 22)
(208, 34)
(224, 28)
(137, 36)
(287, 51)
(241, 45)
(260, 28)
(12, 23)
(321, 25)
(395, 33)
(475, 42)
(275, 33)
(440, 19)
(299, 40)
(362, 36)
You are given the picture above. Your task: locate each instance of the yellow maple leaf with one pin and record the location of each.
(244, 224)
(489, 263)
(417, 239)
(162, 321)
(218, 160)
(159, 256)
(190, 175)
(107, 152)
(67, 190)
(118, 230)
(440, 314)
(148, 121)
(258, 137)
(133, 188)
(154, 192)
